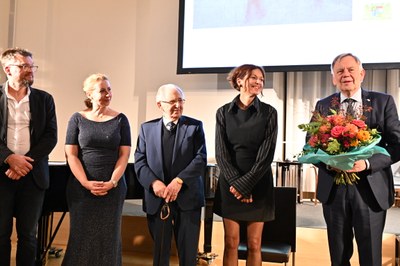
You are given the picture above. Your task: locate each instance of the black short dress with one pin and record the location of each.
(245, 146)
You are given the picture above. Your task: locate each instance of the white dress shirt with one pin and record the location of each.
(357, 105)
(19, 116)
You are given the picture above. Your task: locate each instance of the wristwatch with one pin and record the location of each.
(179, 181)
(115, 183)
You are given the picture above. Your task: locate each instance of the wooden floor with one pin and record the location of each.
(312, 247)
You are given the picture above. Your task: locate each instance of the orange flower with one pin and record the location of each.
(354, 143)
(363, 135)
(324, 128)
(337, 120)
(350, 130)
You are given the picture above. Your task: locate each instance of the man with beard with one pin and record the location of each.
(28, 133)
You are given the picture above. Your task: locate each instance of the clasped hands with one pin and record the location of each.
(98, 188)
(169, 193)
(240, 196)
(20, 166)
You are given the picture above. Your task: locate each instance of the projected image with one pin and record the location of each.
(378, 11)
(286, 35)
(233, 13)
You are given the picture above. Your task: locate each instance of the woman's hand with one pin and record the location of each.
(239, 196)
(98, 188)
(249, 200)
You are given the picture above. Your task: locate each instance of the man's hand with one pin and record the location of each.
(358, 166)
(158, 188)
(20, 164)
(172, 190)
(12, 174)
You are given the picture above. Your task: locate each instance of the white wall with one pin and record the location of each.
(134, 42)
(4, 14)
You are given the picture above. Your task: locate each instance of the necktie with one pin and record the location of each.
(351, 107)
(170, 126)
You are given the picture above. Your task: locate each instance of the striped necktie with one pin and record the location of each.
(170, 126)
(351, 107)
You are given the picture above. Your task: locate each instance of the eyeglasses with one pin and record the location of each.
(27, 67)
(174, 102)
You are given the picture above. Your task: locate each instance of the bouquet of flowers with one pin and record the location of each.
(339, 140)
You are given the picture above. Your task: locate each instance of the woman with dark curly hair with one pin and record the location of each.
(246, 133)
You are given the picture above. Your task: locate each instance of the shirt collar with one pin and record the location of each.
(233, 105)
(357, 96)
(10, 97)
(166, 121)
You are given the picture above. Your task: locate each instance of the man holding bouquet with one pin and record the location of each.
(359, 209)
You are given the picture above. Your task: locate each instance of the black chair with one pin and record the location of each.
(279, 235)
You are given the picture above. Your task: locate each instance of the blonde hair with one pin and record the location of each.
(88, 86)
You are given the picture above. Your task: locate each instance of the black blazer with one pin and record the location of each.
(384, 117)
(43, 132)
(189, 162)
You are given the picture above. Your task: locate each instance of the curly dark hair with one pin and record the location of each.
(242, 72)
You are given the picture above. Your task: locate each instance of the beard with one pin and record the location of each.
(27, 81)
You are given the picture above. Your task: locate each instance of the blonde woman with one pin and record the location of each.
(97, 148)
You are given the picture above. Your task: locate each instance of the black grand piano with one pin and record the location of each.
(55, 201)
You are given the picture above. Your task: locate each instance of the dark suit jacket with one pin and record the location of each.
(43, 132)
(188, 162)
(383, 116)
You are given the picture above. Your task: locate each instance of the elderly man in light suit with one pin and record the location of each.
(170, 162)
(359, 210)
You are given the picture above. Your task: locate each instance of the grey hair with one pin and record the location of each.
(11, 53)
(341, 56)
(160, 96)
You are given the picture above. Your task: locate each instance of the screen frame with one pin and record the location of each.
(284, 68)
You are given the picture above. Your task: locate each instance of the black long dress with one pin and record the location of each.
(245, 146)
(95, 221)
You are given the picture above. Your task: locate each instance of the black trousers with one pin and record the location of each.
(353, 211)
(23, 200)
(185, 226)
